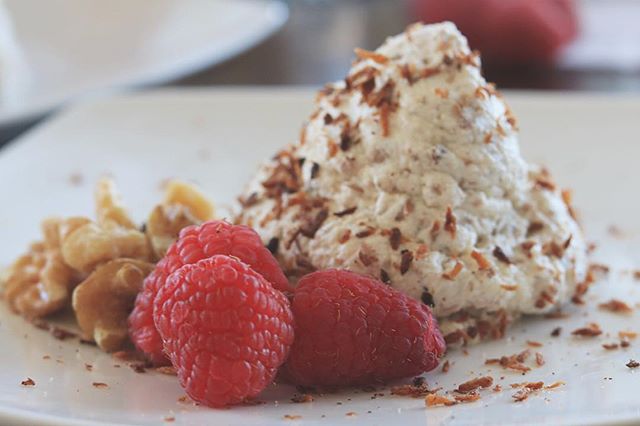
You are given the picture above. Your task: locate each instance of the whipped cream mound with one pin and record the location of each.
(409, 170)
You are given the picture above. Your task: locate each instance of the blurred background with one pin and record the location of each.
(80, 48)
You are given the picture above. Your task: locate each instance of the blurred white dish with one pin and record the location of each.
(217, 137)
(75, 48)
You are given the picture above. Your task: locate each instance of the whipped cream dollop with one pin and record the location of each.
(409, 170)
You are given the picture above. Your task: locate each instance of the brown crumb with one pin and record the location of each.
(291, 417)
(615, 231)
(591, 330)
(625, 343)
(351, 414)
(483, 263)
(76, 179)
(46, 357)
(534, 344)
(61, 333)
(28, 382)
(497, 388)
(556, 332)
(184, 399)
(138, 367)
(169, 419)
(616, 306)
(610, 346)
(99, 385)
(636, 275)
(88, 367)
(302, 398)
(472, 385)
(433, 399)
(539, 359)
(451, 275)
(633, 363)
(556, 315)
(446, 366)
(509, 287)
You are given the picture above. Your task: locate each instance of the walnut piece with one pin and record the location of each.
(92, 244)
(104, 300)
(109, 208)
(39, 282)
(183, 206)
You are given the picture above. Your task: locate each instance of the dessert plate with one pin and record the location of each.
(74, 48)
(216, 138)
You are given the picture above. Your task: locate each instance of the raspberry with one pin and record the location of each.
(354, 330)
(225, 329)
(196, 243)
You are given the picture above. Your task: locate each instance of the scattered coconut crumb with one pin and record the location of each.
(472, 385)
(351, 414)
(446, 366)
(512, 362)
(534, 344)
(414, 391)
(616, 306)
(633, 363)
(591, 330)
(292, 417)
(539, 359)
(610, 346)
(433, 400)
(556, 332)
(88, 367)
(99, 385)
(169, 419)
(28, 382)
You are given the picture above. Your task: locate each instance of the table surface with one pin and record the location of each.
(316, 46)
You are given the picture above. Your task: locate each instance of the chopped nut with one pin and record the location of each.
(92, 244)
(109, 208)
(184, 205)
(104, 300)
(39, 282)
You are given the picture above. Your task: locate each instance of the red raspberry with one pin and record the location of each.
(354, 330)
(196, 243)
(225, 328)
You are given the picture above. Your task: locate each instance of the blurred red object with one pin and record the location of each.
(507, 31)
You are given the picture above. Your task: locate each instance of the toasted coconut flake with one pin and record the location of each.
(591, 330)
(367, 54)
(627, 334)
(433, 400)
(483, 263)
(451, 275)
(469, 397)
(472, 385)
(509, 287)
(446, 366)
(539, 359)
(534, 344)
(28, 382)
(610, 346)
(415, 390)
(616, 306)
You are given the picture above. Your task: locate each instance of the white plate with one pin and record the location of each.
(77, 47)
(215, 138)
